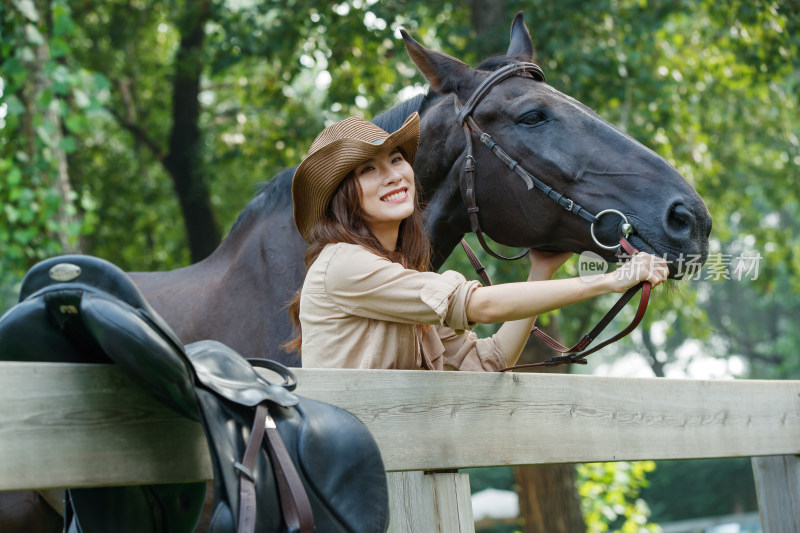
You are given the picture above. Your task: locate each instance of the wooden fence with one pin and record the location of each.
(89, 425)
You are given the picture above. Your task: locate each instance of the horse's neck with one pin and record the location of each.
(447, 220)
(438, 166)
(250, 260)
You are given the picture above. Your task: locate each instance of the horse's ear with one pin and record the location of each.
(521, 43)
(445, 74)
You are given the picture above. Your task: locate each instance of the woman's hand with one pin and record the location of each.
(545, 264)
(641, 267)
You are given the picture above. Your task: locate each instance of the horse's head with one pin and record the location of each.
(563, 144)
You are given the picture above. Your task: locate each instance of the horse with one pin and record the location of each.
(238, 294)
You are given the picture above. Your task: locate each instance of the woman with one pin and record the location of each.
(368, 299)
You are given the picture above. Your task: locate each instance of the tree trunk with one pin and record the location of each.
(548, 501)
(548, 498)
(59, 180)
(184, 161)
(652, 350)
(491, 24)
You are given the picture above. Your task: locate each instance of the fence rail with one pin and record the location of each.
(72, 425)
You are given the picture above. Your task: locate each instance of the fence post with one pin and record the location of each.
(778, 489)
(437, 502)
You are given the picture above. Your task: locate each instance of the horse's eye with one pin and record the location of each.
(532, 118)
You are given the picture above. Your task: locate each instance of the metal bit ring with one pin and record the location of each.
(626, 225)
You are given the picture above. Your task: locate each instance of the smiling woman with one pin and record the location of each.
(387, 193)
(369, 299)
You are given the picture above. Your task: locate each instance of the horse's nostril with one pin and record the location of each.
(680, 219)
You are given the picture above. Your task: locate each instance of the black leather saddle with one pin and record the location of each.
(281, 462)
(62, 316)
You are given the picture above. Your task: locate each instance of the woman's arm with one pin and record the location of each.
(518, 304)
(513, 301)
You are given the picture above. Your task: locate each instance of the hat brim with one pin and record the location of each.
(318, 176)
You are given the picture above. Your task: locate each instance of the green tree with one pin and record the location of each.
(47, 101)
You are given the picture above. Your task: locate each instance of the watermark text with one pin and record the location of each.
(717, 267)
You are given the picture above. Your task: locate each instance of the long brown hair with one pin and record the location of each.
(345, 221)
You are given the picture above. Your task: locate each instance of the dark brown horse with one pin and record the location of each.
(238, 294)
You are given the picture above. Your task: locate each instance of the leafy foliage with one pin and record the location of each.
(610, 496)
(47, 104)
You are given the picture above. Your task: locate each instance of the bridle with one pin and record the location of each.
(578, 352)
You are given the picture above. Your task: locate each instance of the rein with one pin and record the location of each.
(578, 352)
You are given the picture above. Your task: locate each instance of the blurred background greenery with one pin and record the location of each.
(137, 130)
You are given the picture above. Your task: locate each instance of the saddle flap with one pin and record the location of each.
(142, 350)
(30, 331)
(225, 372)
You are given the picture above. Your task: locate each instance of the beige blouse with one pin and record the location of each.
(359, 310)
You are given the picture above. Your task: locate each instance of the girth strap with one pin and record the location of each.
(247, 486)
(295, 506)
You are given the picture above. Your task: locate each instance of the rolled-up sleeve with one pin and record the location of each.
(367, 285)
(449, 298)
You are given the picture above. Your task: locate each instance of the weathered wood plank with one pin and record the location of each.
(453, 502)
(778, 490)
(429, 421)
(411, 503)
(84, 425)
(429, 503)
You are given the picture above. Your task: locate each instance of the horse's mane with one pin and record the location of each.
(277, 192)
(391, 119)
(271, 194)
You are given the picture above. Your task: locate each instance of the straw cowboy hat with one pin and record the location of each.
(335, 152)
